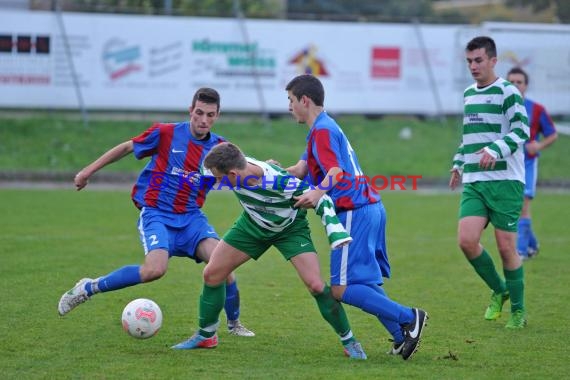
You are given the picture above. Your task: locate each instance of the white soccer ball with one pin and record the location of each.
(142, 318)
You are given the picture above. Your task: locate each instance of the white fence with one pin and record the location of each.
(157, 62)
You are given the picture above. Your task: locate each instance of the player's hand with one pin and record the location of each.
(532, 148)
(487, 161)
(273, 162)
(309, 199)
(80, 180)
(455, 178)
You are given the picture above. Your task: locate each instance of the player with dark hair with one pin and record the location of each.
(540, 123)
(266, 193)
(490, 162)
(169, 195)
(332, 167)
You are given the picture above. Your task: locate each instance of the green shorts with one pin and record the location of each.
(498, 201)
(250, 238)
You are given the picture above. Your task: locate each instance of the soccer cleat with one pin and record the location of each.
(517, 320)
(197, 341)
(354, 350)
(413, 333)
(236, 328)
(496, 306)
(73, 297)
(396, 349)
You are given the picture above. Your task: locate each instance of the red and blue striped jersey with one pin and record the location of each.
(328, 147)
(172, 180)
(539, 123)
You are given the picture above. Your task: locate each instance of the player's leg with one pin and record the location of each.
(308, 268)
(232, 300)
(296, 246)
(228, 254)
(473, 218)
(153, 234)
(514, 276)
(532, 240)
(218, 274)
(355, 272)
(505, 224)
(394, 328)
(199, 238)
(223, 260)
(533, 245)
(525, 233)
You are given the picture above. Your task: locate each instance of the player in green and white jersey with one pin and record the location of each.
(266, 193)
(491, 160)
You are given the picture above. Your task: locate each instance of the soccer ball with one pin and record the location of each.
(142, 318)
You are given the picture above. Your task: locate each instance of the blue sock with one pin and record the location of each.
(121, 278)
(375, 303)
(231, 305)
(393, 327)
(532, 242)
(523, 235)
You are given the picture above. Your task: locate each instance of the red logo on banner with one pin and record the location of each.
(385, 62)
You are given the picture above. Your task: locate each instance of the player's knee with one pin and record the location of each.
(151, 273)
(506, 248)
(212, 277)
(315, 286)
(468, 245)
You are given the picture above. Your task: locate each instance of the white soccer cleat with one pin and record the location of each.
(236, 328)
(73, 297)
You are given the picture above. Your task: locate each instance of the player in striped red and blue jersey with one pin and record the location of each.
(169, 192)
(332, 167)
(540, 125)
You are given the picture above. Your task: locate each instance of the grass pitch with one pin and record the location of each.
(58, 144)
(52, 238)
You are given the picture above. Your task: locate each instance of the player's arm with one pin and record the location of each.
(112, 155)
(311, 198)
(548, 131)
(299, 170)
(457, 168)
(512, 141)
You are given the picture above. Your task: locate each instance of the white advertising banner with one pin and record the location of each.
(543, 51)
(156, 63)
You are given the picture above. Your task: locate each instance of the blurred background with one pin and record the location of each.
(394, 70)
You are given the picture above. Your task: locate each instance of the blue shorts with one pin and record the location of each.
(365, 260)
(179, 234)
(530, 175)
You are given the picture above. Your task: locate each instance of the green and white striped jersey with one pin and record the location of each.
(493, 117)
(270, 203)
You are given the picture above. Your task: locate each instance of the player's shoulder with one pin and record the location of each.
(533, 104)
(326, 122)
(171, 125)
(217, 139)
(158, 126)
(507, 87)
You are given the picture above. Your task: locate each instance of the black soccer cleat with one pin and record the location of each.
(413, 333)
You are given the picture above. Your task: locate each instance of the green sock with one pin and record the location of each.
(333, 312)
(485, 268)
(211, 304)
(515, 284)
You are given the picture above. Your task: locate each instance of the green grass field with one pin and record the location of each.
(52, 238)
(58, 144)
